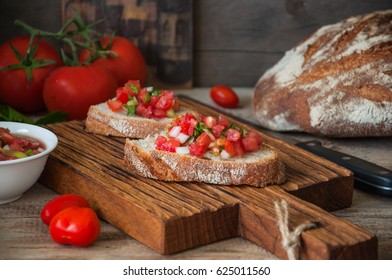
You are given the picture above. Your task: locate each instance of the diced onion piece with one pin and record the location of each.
(225, 154)
(182, 137)
(149, 88)
(175, 131)
(182, 150)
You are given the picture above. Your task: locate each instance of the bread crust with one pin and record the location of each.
(161, 165)
(337, 82)
(101, 120)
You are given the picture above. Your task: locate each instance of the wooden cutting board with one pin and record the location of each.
(170, 216)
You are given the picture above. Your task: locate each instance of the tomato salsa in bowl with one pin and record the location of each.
(24, 150)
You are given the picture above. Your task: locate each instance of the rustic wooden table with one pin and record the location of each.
(24, 236)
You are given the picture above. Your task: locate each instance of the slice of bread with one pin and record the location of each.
(101, 120)
(257, 169)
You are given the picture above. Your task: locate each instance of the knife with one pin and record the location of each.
(368, 176)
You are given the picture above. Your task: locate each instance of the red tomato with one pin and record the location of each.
(15, 90)
(229, 147)
(204, 139)
(159, 141)
(217, 130)
(239, 150)
(60, 203)
(72, 89)
(224, 96)
(78, 226)
(250, 144)
(170, 145)
(128, 63)
(233, 135)
(114, 105)
(196, 149)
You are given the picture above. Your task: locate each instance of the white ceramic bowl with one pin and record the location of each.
(18, 175)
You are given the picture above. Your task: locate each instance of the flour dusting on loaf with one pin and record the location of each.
(337, 82)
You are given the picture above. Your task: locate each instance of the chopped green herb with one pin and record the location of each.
(147, 98)
(131, 106)
(134, 89)
(155, 92)
(199, 128)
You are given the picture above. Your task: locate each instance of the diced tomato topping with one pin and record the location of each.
(133, 85)
(143, 96)
(156, 103)
(209, 121)
(159, 141)
(153, 100)
(233, 135)
(223, 121)
(170, 145)
(229, 148)
(239, 150)
(122, 95)
(213, 135)
(114, 105)
(165, 102)
(144, 110)
(196, 149)
(257, 136)
(204, 139)
(250, 144)
(217, 130)
(160, 114)
(187, 123)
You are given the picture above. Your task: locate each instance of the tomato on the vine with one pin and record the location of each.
(123, 58)
(60, 203)
(72, 89)
(224, 96)
(16, 90)
(78, 226)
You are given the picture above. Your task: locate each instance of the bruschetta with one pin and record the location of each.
(205, 149)
(135, 112)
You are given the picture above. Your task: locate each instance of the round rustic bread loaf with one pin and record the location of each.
(337, 82)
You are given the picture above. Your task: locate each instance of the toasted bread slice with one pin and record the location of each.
(257, 169)
(101, 120)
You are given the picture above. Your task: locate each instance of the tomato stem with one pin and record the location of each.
(70, 37)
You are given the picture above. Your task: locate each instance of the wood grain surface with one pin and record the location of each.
(172, 217)
(24, 236)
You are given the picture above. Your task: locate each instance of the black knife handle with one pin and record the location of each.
(368, 176)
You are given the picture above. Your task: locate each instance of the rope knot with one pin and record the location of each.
(290, 239)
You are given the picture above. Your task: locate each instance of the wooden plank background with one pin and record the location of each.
(234, 41)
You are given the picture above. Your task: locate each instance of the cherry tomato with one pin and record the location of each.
(60, 203)
(15, 89)
(127, 63)
(224, 96)
(72, 89)
(78, 226)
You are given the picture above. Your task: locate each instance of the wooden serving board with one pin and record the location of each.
(173, 216)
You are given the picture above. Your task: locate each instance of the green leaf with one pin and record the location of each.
(52, 117)
(9, 114)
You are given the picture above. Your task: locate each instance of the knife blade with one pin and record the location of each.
(368, 176)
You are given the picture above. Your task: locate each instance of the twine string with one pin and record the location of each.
(290, 239)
